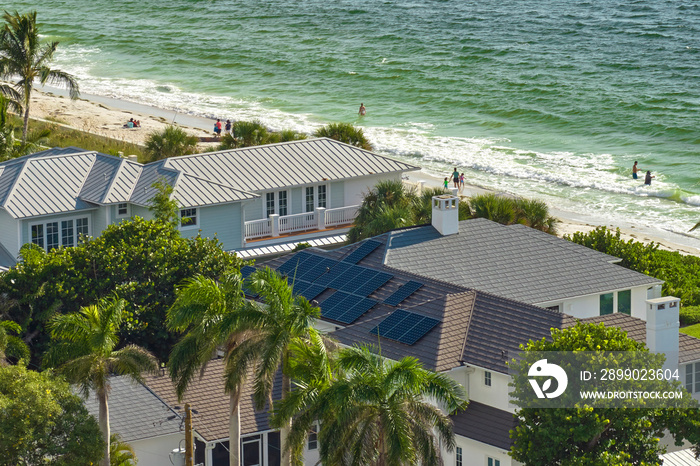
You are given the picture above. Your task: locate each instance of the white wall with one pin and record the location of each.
(356, 186)
(497, 395)
(156, 451)
(9, 233)
(586, 306)
(476, 453)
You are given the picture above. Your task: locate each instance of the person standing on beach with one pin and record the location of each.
(446, 183)
(461, 182)
(363, 110)
(217, 128)
(228, 126)
(635, 170)
(647, 178)
(455, 178)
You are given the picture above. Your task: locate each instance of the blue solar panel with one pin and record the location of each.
(402, 293)
(373, 283)
(360, 253)
(299, 286)
(334, 273)
(405, 327)
(329, 305)
(345, 277)
(312, 291)
(318, 269)
(293, 263)
(246, 270)
(363, 277)
(355, 312)
(305, 267)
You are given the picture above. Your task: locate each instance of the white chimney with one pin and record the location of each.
(446, 214)
(662, 328)
(132, 158)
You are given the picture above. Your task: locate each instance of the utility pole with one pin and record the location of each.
(189, 440)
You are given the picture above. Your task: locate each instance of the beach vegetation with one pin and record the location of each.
(344, 132)
(43, 422)
(587, 435)
(10, 146)
(171, 142)
(508, 210)
(84, 350)
(681, 273)
(690, 315)
(24, 56)
(254, 133)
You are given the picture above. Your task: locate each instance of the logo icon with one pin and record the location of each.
(542, 369)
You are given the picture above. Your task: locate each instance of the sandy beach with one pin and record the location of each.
(106, 117)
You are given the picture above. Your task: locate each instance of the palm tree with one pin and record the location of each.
(208, 310)
(84, 351)
(121, 453)
(386, 206)
(9, 146)
(22, 55)
(171, 142)
(10, 345)
(499, 209)
(274, 327)
(344, 132)
(377, 413)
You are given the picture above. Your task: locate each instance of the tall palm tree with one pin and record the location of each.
(22, 55)
(377, 412)
(84, 351)
(274, 327)
(208, 311)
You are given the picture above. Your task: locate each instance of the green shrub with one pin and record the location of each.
(690, 315)
(344, 132)
(693, 330)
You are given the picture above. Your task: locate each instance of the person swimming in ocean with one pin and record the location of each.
(647, 178)
(635, 171)
(363, 110)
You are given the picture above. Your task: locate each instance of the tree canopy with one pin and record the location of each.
(42, 422)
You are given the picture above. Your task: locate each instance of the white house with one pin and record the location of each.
(252, 195)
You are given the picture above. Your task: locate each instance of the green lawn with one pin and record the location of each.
(692, 330)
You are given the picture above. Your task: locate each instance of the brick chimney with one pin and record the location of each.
(446, 214)
(662, 328)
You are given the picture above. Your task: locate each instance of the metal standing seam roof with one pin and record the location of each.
(123, 183)
(99, 179)
(680, 458)
(49, 185)
(528, 266)
(136, 413)
(288, 164)
(194, 191)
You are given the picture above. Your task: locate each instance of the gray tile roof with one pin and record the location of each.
(485, 424)
(513, 262)
(135, 412)
(287, 164)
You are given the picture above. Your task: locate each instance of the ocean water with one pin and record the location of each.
(550, 99)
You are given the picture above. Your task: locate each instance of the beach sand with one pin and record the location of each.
(106, 117)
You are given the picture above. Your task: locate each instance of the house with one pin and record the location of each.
(256, 194)
(142, 419)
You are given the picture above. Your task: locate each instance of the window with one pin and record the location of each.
(606, 304)
(309, 199)
(250, 451)
(313, 438)
(123, 210)
(283, 203)
(692, 377)
(188, 218)
(38, 235)
(66, 233)
(487, 378)
(624, 301)
(458, 456)
(269, 204)
(554, 308)
(322, 196)
(274, 455)
(492, 462)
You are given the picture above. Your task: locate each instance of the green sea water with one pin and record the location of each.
(550, 99)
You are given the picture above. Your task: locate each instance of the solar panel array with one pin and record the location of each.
(360, 253)
(246, 271)
(311, 275)
(402, 293)
(404, 327)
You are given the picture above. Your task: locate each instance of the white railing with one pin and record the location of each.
(340, 216)
(319, 219)
(258, 228)
(297, 222)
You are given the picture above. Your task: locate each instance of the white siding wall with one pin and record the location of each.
(156, 451)
(221, 221)
(254, 209)
(497, 395)
(586, 306)
(476, 453)
(353, 188)
(9, 233)
(337, 194)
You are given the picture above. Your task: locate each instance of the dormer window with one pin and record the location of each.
(123, 209)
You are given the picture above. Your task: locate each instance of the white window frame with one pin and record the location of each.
(692, 378)
(491, 461)
(459, 456)
(314, 432)
(276, 197)
(128, 210)
(59, 221)
(260, 440)
(488, 378)
(315, 187)
(189, 226)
